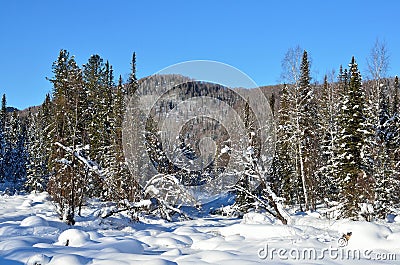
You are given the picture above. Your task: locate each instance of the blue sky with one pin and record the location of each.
(252, 36)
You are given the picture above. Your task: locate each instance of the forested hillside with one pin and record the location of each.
(336, 143)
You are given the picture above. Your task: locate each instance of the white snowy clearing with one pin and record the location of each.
(30, 233)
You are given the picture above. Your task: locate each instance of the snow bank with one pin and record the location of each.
(157, 261)
(14, 244)
(212, 257)
(129, 246)
(34, 221)
(184, 230)
(367, 235)
(183, 239)
(256, 218)
(163, 242)
(173, 252)
(397, 219)
(73, 238)
(255, 231)
(26, 204)
(69, 259)
(38, 259)
(209, 243)
(203, 241)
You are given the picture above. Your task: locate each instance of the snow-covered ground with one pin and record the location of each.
(30, 233)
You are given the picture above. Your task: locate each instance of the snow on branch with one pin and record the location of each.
(77, 152)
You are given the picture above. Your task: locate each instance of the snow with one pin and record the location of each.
(256, 218)
(225, 149)
(255, 231)
(34, 221)
(31, 233)
(38, 259)
(73, 238)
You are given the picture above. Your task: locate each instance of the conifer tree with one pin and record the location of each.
(3, 116)
(244, 199)
(68, 174)
(132, 81)
(385, 173)
(96, 76)
(395, 113)
(395, 146)
(300, 125)
(3, 112)
(308, 140)
(284, 180)
(35, 174)
(14, 159)
(122, 187)
(327, 131)
(352, 156)
(38, 147)
(98, 80)
(395, 107)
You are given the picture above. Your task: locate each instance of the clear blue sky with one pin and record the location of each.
(250, 35)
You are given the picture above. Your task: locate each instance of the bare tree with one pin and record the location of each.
(299, 96)
(291, 66)
(378, 60)
(378, 65)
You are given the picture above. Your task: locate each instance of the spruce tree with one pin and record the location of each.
(385, 173)
(395, 107)
(353, 169)
(307, 126)
(327, 133)
(14, 159)
(95, 76)
(132, 85)
(244, 198)
(69, 174)
(38, 147)
(34, 173)
(3, 112)
(302, 120)
(3, 116)
(284, 178)
(395, 147)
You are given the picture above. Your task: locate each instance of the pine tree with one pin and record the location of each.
(395, 113)
(284, 179)
(327, 131)
(69, 168)
(395, 146)
(3, 116)
(3, 112)
(395, 107)
(385, 173)
(132, 81)
(96, 78)
(244, 198)
(35, 174)
(14, 159)
(38, 147)
(352, 156)
(109, 162)
(308, 141)
(122, 187)
(302, 119)
(99, 83)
